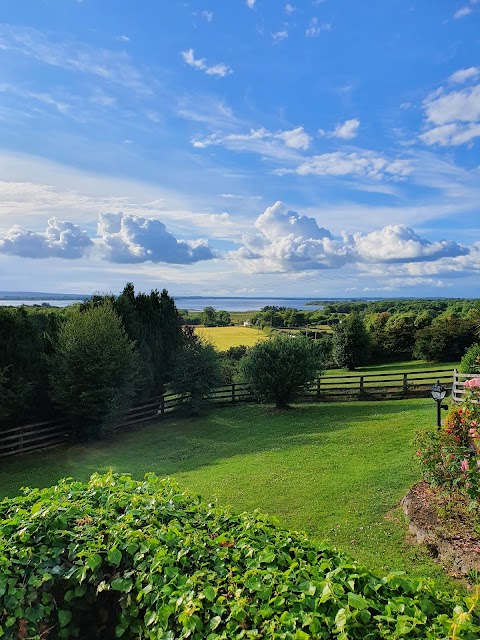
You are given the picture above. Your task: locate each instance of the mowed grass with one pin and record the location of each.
(223, 338)
(337, 471)
(395, 367)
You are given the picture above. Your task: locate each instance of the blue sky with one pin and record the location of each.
(240, 147)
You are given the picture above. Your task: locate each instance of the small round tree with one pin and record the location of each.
(351, 343)
(196, 371)
(93, 370)
(278, 369)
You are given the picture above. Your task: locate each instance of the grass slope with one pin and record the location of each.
(336, 471)
(223, 338)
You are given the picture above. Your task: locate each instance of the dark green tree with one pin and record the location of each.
(24, 340)
(93, 370)
(223, 318)
(196, 372)
(278, 369)
(446, 339)
(209, 317)
(351, 343)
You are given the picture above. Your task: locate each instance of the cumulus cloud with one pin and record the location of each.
(286, 241)
(208, 15)
(250, 4)
(345, 130)
(130, 239)
(280, 35)
(289, 9)
(221, 70)
(399, 243)
(60, 240)
(339, 163)
(453, 117)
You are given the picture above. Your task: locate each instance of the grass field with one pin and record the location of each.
(337, 471)
(395, 367)
(223, 338)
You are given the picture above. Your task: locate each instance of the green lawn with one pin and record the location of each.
(395, 367)
(337, 471)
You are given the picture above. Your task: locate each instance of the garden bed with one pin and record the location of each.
(450, 538)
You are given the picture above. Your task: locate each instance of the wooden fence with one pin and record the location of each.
(459, 379)
(378, 386)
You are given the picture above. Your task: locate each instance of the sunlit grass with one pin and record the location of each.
(223, 338)
(337, 471)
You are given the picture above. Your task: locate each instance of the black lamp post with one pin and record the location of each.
(438, 394)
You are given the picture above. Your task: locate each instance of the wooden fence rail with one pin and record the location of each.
(459, 379)
(375, 386)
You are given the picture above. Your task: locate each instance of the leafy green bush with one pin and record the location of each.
(141, 560)
(471, 360)
(278, 369)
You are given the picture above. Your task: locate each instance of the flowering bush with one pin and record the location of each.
(449, 457)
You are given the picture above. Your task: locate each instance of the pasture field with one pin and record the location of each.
(337, 471)
(223, 338)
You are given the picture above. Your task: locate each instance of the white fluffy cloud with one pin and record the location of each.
(339, 163)
(60, 240)
(345, 130)
(220, 69)
(288, 242)
(251, 3)
(129, 239)
(399, 243)
(453, 117)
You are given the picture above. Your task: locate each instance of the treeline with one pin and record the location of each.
(89, 361)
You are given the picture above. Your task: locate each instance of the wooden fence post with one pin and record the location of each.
(318, 387)
(162, 406)
(233, 392)
(362, 389)
(405, 384)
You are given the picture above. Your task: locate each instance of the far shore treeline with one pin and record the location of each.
(45, 351)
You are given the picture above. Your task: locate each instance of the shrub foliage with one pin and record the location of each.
(115, 558)
(278, 369)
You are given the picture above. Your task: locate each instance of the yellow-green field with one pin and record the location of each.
(223, 338)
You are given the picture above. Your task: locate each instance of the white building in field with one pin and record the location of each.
(246, 323)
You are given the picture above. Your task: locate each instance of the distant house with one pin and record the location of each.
(246, 323)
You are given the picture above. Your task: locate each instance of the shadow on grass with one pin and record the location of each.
(180, 445)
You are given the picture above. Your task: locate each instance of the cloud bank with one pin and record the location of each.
(286, 241)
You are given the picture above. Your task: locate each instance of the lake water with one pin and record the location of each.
(197, 304)
(52, 303)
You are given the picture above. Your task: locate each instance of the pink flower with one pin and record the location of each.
(474, 423)
(473, 382)
(460, 411)
(419, 453)
(471, 431)
(464, 465)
